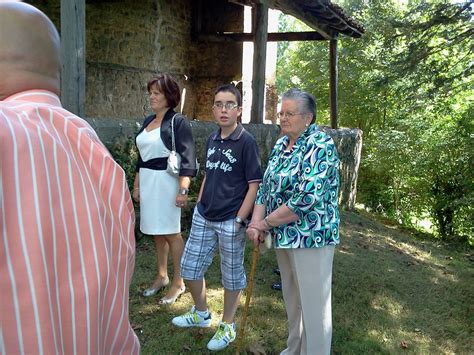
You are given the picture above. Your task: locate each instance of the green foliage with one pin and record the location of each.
(124, 151)
(447, 161)
(407, 83)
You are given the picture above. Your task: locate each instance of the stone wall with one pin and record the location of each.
(349, 148)
(348, 143)
(129, 41)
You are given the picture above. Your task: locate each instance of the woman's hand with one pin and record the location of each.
(136, 189)
(260, 225)
(136, 194)
(254, 235)
(181, 200)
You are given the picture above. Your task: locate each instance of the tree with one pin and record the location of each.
(407, 83)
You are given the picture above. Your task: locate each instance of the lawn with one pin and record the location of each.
(393, 293)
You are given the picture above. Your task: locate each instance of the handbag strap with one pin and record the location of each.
(173, 146)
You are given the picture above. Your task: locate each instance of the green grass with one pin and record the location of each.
(389, 288)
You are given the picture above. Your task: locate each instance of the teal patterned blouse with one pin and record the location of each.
(306, 179)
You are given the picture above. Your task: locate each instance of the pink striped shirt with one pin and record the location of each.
(67, 225)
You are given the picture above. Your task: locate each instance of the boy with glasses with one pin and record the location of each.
(226, 197)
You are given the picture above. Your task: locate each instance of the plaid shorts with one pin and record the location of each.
(204, 238)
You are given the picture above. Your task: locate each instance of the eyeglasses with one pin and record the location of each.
(228, 106)
(280, 115)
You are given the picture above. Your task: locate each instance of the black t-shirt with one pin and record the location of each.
(231, 164)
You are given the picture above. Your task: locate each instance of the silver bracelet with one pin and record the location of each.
(269, 226)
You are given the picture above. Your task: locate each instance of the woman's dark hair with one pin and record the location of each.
(168, 86)
(308, 102)
(232, 89)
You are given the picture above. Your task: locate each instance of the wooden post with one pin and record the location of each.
(73, 55)
(196, 19)
(260, 23)
(333, 81)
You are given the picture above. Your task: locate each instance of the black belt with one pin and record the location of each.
(155, 164)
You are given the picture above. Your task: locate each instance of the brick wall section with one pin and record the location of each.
(128, 41)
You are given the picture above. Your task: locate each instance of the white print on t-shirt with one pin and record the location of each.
(228, 154)
(211, 151)
(221, 164)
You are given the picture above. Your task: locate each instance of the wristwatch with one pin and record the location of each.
(183, 191)
(239, 221)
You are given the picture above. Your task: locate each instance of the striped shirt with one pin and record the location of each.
(67, 223)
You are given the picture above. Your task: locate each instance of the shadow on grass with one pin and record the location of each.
(392, 293)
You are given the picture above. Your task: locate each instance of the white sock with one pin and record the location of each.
(203, 314)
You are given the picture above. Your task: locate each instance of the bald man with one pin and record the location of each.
(66, 217)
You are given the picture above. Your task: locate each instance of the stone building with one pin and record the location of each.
(198, 41)
(127, 42)
(111, 48)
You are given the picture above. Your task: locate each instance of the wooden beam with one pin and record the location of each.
(322, 15)
(243, 2)
(272, 37)
(333, 79)
(196, 19)
(305, 14)
(260, 29)
(73, 55)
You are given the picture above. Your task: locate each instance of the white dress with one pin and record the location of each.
(158, 189)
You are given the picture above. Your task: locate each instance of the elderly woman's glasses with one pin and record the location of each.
(281, 115)
(228, 106)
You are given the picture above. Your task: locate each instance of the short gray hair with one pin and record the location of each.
(308, 102)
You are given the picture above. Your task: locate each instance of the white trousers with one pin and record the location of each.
(306, 276)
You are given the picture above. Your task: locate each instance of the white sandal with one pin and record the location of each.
(149, 292)
(171, 300)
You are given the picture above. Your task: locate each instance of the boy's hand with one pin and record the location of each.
(237, 226)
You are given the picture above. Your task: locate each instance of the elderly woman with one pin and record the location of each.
(160, 194)
(297, 204)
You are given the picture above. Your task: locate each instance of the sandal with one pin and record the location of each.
(149, 292)
(171, 300)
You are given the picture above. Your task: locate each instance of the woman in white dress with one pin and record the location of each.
(161, 195)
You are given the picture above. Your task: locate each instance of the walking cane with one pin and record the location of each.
(249, 295)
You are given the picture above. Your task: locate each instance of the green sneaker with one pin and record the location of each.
(192, 319)
(224, 336)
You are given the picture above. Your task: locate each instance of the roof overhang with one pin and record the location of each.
(321, 15)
